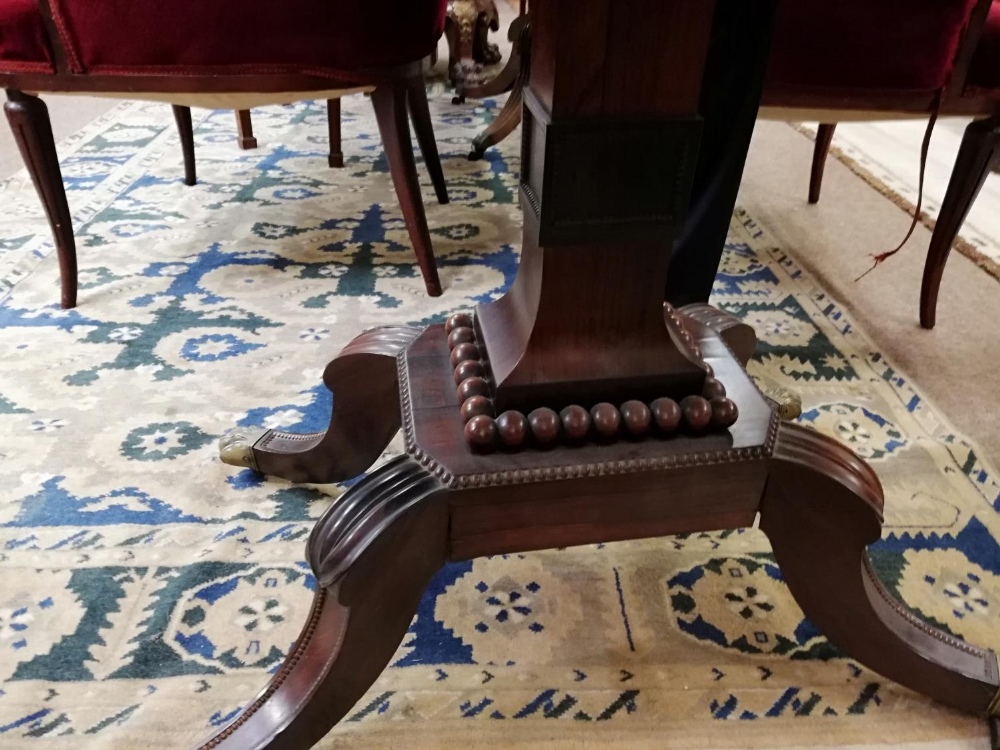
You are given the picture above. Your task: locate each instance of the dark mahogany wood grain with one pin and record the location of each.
(391, 113)
(514, 77)
(822, 508)
(244, 130)
(182, 115)
(737, 335)
(543, 341)
(977, 156)
(365, 415)
(586, 491)
(824, 137)
(336, 156)
(29, 121)
(416, 99)
(372, 553)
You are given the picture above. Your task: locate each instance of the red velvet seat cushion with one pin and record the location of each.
(23, 43)
(249, 36)
(867, 44)
(984, 72)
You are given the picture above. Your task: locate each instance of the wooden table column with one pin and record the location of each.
(610, 144)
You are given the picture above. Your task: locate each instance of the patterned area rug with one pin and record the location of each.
(147, 590)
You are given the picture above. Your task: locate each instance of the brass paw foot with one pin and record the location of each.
(789, 403)
(236, 447)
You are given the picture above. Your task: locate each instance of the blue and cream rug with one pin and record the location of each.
(147, 590)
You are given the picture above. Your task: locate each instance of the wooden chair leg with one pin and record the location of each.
(245, 127)
(186, 130)
(390, 112)
(421, 115)
(824, 135)
(29, 120)
(977, 155)
(336, 157)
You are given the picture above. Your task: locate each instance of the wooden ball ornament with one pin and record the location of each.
(461, 336)
(606, 419)
(458, 320)
(666, 414)
(636, 417)
(470, 368)
(724, 412)
(697, 412)
(464, 352)
(475, 406)
(470, 387)
(513, 428)
(545, 425)
(575, 422)
(481, 431)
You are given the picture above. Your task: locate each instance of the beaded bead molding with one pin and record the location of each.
(605, 422)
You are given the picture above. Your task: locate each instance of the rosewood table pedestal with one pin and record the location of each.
(579, 408)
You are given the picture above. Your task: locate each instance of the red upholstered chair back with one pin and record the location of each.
(867, 44)
(122, 37)
(984, 72)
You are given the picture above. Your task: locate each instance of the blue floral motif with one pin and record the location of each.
(213, 347)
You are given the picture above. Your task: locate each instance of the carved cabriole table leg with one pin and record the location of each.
(373, 553)
(821, 509)
(365, 416)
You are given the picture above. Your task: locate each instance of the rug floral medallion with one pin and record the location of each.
(147, 590)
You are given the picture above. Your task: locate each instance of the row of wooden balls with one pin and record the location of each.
(604, 421)
(698, 413)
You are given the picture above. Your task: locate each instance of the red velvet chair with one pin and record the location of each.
(191, 52)
(886, 59)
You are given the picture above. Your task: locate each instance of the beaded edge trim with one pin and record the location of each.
(604, 468)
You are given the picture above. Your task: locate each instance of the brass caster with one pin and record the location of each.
(236, 447)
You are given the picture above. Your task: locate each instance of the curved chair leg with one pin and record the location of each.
(336, 157)
(509, 116)
(977, 155)
(29, 121)
(824, 136)
(364, 381)
(244, 126)
(420, 113)
(390, 112)
(183, 117)
(822, 507)
(373, 553)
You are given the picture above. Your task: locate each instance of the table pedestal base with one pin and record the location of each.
(375, 550)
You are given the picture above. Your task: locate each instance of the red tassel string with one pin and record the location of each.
(924, 148)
